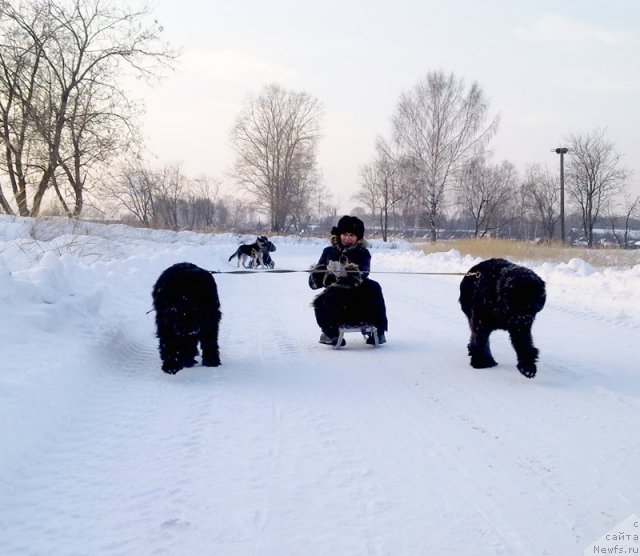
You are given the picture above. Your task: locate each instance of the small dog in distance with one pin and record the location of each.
(250, 256)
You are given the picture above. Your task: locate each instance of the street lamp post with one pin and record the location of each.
(562, 151)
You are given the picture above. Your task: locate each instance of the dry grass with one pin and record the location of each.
(527, 251)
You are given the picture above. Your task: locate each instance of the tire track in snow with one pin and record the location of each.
(97, 458)
(372, 492)
(499, 403)
(544, 459)
(305, 463)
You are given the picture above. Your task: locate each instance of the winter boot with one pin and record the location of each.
(371, 341)
(330, 340)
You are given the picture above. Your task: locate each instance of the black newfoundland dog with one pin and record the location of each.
(497, 294)
(185, 299)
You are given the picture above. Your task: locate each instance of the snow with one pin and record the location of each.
(291, 447)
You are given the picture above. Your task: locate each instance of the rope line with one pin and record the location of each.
(288, 271)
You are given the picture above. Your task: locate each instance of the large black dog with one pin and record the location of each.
(497, 294)
(185, 299)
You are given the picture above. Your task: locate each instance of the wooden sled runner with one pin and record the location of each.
(364, 329)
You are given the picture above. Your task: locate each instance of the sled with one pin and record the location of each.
(364, 329)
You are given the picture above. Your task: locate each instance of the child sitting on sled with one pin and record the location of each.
(350, 297)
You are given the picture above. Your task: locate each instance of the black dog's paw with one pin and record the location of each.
(482, 363)
(211, 362)
(527, 369)
(170, 369)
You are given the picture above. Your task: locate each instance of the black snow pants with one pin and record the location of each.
(353, 306)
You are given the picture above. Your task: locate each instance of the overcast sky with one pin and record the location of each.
(548, 68)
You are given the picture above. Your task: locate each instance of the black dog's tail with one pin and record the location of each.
(231, 257)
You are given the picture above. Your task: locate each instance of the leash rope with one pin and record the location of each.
(288, 271)
(311, 271)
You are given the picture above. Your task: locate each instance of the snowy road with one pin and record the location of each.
(291, 447)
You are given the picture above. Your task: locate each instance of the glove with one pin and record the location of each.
(316, 276)
(343, 274)
(329, 279)
(336, 268)
(335, 271)
(350, 276)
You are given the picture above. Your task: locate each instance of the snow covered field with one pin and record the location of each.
(290, 447)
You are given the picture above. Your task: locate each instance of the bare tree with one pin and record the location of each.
(322, 205)
(521, 225)
(60, 64)
(301, 188)
(471, 195)
(594, 175)
(135, 190)
(276, 139)
(484, 192)
(439, 126)
(368, 193)
(410, 206)
(171, 187)
(380, 188)
(203, 203)
(99, 126)
(630, 208)
(20, 62)
(543, 191)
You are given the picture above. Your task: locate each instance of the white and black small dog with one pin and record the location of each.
(497, 294)
(252, 255)
(185, 299)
